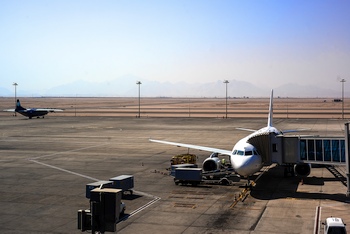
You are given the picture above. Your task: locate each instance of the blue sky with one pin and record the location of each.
(48, 43)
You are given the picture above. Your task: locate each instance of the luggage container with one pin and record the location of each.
(173, 167)
(123, 182)
(191, 176)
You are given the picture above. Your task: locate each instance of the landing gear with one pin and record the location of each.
(248, 185)
(289, 170)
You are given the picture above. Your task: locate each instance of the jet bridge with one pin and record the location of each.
(314, 150)
(300, 149)
(290, 150)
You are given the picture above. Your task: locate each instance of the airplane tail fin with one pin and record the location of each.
(270, 118)
(18, 106)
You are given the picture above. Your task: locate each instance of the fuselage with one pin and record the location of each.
(245, 158)
(32, 112)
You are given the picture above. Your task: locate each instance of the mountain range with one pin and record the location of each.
(126, 87)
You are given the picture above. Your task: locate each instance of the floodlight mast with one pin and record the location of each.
(226, 82)
(15, 84)
(342, 96)
(139, 84)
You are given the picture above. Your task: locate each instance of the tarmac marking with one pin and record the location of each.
(75, 150)
(180, 197)
(252, 228)
(194, 197)
(64, 170)
(155, 198)
(317, 219)
(185, 205)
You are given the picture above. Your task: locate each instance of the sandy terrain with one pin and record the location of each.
(186, 107)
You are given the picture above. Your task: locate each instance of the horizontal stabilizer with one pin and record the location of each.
(295, 130)
(247, 129)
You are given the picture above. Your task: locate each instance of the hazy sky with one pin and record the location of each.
(48, 43)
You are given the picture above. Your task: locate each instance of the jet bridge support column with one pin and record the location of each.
(347, 158)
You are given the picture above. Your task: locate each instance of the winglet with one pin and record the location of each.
(270, 118)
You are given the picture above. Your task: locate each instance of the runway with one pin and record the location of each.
(46, 163)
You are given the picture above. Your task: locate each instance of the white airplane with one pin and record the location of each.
(32, 112)
(244, 157)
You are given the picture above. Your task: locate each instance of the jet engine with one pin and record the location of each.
(212, 163)
(302, 169)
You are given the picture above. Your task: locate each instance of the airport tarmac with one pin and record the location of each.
(46, 163)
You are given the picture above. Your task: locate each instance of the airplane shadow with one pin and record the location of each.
(273, 185)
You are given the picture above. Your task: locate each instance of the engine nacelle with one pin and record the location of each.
(212, 163)
(302, 169)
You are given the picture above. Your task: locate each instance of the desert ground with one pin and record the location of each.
(186, 107)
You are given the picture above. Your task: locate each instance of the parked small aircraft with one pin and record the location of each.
(32, 112)
(245, 158)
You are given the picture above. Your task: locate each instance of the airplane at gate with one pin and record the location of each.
(244, 157)
(32, 112)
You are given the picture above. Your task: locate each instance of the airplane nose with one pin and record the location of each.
(248, 165)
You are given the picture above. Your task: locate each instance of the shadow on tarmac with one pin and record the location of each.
(273, 185)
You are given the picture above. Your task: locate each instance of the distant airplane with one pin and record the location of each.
(245, 158)
(32, 112)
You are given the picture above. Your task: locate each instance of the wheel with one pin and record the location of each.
(225, 182)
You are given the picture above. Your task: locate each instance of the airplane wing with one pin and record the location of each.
(48, 109)
(9, 110)
(198, 147)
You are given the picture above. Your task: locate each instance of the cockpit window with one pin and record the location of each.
(244, 153)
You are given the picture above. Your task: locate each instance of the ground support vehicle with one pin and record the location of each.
(183, 159)
(334, 225)
(191, 176)
(195, 176)
(224, 177)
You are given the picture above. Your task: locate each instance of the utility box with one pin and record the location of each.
(105, 209)
(91, 186)
(123, 182)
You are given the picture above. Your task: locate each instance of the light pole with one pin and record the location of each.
(139, 84)
(342, 97)
(15, 84)
(226, 82)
